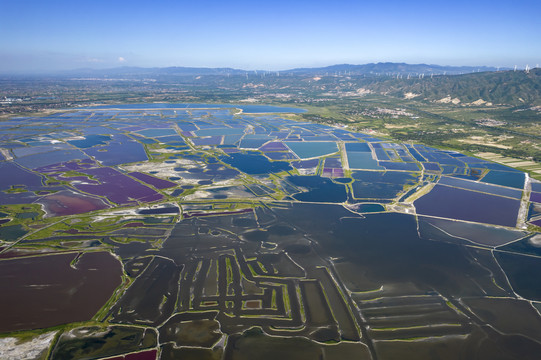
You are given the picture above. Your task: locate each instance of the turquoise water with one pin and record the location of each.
(505, 178)
(90, 140)
(363, 160)
(311, 149)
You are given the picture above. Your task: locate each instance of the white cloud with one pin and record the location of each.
(121, 59)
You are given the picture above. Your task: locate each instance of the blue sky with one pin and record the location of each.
(58, 34)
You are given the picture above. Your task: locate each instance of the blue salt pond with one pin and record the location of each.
(252, 143)
(358, 146)
(431, 166)
(254, 164)
(207, 141)
(536, 186)
(319, 189)
(381, 154)
(276, 155)
(231, 139)
(122, 149)
(406, 166)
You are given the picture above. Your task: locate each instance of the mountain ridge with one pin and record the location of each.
(370, 69)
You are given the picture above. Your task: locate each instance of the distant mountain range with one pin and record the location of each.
(374, 69)
(392, 69)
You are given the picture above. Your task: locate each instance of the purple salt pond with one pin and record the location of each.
(305, 164)
(333, 172)
(535, 197)
(151, 180)
(118, 187)
(69, 203)
(333, 163)
(536, 222)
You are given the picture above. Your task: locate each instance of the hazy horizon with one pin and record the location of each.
(60, 72)
(61, 35)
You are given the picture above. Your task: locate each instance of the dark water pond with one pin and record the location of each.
(11, 232)
(530, 245)
(380, 185)
(523, 273)
(387, 246)
(49, 291)
(476, 233)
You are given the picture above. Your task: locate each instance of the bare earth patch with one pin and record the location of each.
(13, 349)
